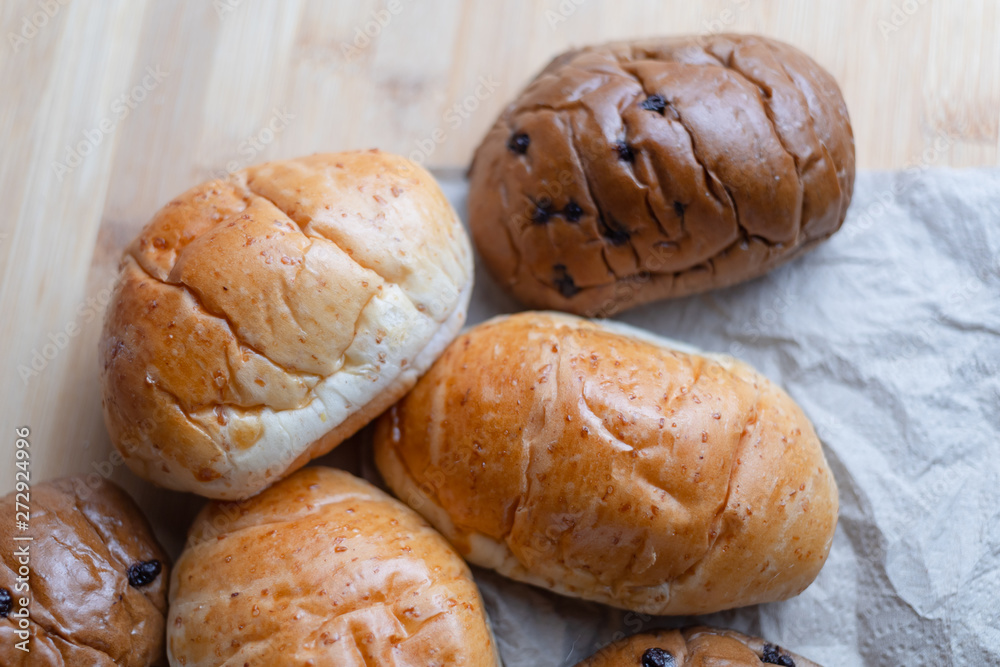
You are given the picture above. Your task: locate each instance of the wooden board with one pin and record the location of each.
(160, 95)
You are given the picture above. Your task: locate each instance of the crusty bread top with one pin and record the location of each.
(85, 607)
(694, 647)
(667, 166)
(257, 313)
(323, 567)
(566, 454)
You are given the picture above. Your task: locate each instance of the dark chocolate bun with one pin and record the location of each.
(637, 171)
(694, 647)
(98, 579)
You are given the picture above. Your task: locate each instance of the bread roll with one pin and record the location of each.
(599, 462)
(637, 171)
(94, 573)
(262, 319)
(694, 647)
(323, 569)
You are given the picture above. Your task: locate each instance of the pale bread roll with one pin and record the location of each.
(323, 569)
(262, 319)
(694, 647)
(600, 462)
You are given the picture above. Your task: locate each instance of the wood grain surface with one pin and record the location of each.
(112, 107)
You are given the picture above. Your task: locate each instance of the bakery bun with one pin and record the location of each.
(694, 647)
(262, 319)
(323, 569)
(636, 171)
(600, 462)
(94, 573)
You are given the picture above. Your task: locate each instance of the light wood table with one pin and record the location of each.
(110, 108)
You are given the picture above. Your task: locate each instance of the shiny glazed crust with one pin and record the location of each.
(636, 171)
(603, 463)
(87, 533)
(262, 319)
(323, 568)
(696, 647)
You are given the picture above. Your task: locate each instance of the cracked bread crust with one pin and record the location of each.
(697, 646)
(87, 534)
(262, 319)
(323, 568)
(601, 462)
(636, 171)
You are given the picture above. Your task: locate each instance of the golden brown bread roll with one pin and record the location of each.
(636, 171)
(600, 462)
(694, 647)
(323, 569)
(262, 319)
(95, 575)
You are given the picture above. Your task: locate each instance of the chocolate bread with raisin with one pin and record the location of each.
(694, 647)
(636, 171)
(89, 588)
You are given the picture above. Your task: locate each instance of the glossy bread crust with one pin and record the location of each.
(694, 647)
(323, 568)
(84, 611)
(636, 171)
(601, 462)
(262, 319)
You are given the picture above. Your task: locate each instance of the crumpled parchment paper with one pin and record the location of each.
(888, 336)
